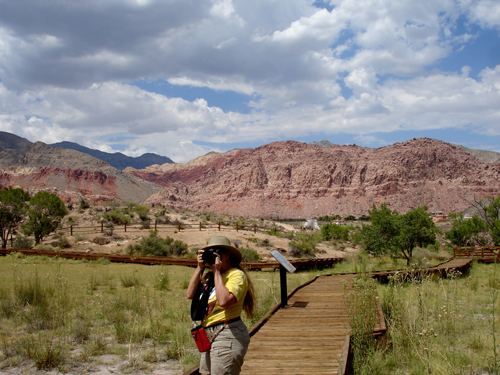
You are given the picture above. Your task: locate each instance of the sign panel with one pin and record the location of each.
(283, 261)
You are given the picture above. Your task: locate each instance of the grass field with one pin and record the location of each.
(66, 314)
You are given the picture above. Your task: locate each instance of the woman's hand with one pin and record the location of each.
(217, 265)
(199, 253)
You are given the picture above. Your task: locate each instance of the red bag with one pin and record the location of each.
(201, 339)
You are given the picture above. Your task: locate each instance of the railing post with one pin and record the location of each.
(71, 229)
(255, 228)
(156, 222)
(236, 226)
(179, 226)
(200, 226)
(219, 226)
(102, 226)
(125, 226)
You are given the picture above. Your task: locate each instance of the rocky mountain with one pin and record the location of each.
(482, 155)
(69, 174)
(297, 180)
(13, 142)
(117, 159)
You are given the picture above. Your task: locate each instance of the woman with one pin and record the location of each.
(232, 294)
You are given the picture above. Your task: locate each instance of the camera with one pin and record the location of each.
(208, 255)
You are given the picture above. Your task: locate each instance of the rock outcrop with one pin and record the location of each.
(296, 180)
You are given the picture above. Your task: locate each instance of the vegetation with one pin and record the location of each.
(467, 232)
(117, 217)
(45, 213)
(305, 244)
(394, 234)
(479, 230)
(157, 246)
(13, 206)
(335, 232)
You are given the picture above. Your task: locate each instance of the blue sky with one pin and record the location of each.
(184, 77)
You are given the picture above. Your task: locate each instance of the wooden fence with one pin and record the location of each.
(73, 230)
(486, 254)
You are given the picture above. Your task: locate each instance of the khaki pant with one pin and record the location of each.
(227, 352)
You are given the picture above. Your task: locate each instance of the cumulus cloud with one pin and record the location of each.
(358, 67)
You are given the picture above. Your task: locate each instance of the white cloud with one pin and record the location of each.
(64, 69)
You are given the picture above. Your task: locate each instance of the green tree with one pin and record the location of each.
(45, 213)
(417, 229)
(467, 232)
(13, 206)
(392, 233)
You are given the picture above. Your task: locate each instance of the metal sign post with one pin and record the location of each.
(285, 265)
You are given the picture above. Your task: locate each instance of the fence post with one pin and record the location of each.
(255, 228)
(219, 226)
(236, 226)
(102, 226)
(11, 240)
(200, 226)
(125, 225)
(156, 221)
(179, 226)
(71, 229)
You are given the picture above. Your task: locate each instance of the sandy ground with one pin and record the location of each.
(82, 239)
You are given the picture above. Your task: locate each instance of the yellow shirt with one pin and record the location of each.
(236, 282)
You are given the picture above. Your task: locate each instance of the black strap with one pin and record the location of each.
(199, 304)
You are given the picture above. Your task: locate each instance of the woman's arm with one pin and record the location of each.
(225, 298)
(195, 279)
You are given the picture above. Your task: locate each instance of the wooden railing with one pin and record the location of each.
(482, 253)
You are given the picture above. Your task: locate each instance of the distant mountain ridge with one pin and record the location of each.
(481, 155)
(117, 159)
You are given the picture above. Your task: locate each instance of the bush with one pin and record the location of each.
(335, 232)
(63, 243)
(157, 246)
(22, 242)
(82, 204)
(249, 254)
(142, 212)
(117, 217)
(305, 246)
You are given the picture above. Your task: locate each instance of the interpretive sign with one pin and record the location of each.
(285, 265)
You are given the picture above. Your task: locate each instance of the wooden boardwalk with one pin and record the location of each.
(309, 336)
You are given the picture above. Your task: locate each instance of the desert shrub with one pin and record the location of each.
(142, 212)
(63, 243)
(157, 246)
(178, 248)
(22, 242)
(305, 245)
(249, 254)
(83, 204)
(335, 232)
(117, 217)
